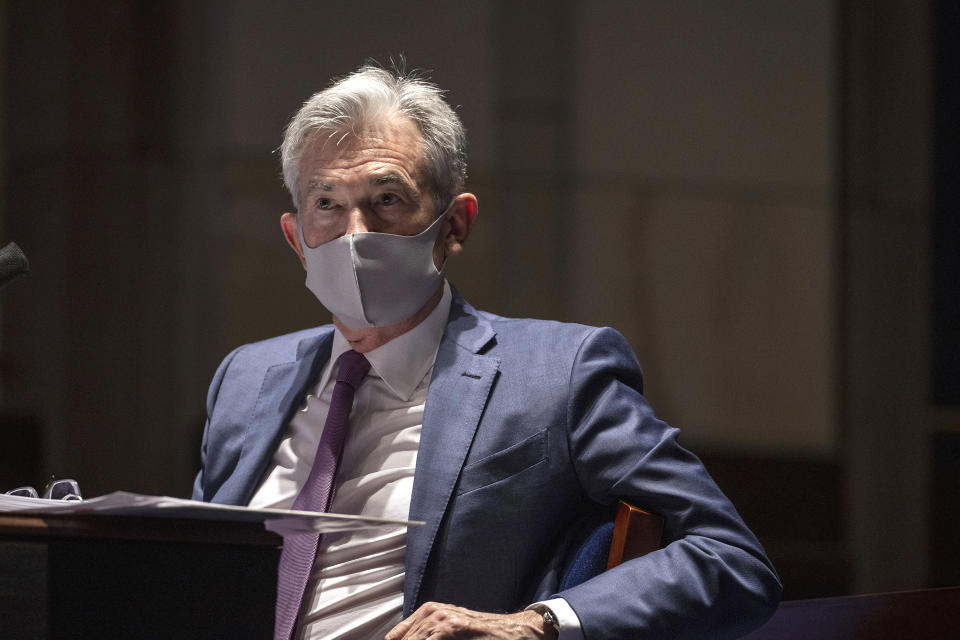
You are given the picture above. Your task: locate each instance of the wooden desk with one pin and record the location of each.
(105, 577)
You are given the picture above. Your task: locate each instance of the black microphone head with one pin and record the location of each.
(12, 263)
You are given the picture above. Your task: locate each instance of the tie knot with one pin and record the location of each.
(353, 367)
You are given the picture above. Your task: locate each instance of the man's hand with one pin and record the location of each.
(447, 622)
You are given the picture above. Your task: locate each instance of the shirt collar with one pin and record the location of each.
(403, 362)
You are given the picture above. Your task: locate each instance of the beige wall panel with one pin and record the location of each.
(609, 270)
(727, 304)
(887, 395)
(530, 248)
(276, 54)
(727, 91)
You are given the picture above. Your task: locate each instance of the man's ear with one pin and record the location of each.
(459, 223)
(288, 222)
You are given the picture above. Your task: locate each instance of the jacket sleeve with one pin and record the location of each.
(712, 579)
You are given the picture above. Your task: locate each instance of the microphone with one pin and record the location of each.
(13, 264)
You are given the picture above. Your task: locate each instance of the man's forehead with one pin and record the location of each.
(392, 132)
(391, 154)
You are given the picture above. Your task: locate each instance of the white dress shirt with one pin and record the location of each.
(355, 590)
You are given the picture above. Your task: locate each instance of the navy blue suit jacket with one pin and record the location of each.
(528, 426)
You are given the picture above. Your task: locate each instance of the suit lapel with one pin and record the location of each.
(282, 392)
(459, 388)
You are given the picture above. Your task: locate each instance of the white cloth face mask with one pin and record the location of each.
(370, 279)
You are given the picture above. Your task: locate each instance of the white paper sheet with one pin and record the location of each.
(122, 503)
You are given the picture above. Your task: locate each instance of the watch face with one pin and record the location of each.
(551, 619)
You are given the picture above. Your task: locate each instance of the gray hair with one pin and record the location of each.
(366, 97)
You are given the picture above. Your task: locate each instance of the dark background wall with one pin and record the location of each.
(745, 189)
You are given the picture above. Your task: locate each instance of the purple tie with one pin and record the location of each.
(300, 550)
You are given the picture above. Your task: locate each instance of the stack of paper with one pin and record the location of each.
(122, 503)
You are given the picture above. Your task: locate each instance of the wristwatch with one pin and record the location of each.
(549, 617)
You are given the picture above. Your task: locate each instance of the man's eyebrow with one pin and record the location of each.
(393, 178)
(319, 185)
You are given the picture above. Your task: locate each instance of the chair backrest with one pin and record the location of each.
(605, 544)
(636, 533)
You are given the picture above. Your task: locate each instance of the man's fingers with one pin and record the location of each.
(402, 629)
(447, 622)
(431, 620)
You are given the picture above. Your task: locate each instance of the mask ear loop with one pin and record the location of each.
(303, 241)
(443, 216)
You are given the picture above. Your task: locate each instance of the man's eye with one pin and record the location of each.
(389, 198)
(324, 203)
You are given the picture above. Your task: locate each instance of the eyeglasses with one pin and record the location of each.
(64, 489)
(24, 492)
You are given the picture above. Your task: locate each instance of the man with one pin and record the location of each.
(501, 434)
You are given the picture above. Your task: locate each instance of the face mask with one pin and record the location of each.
(372, 279)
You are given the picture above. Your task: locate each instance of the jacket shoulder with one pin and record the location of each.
(553, 336)
(284, 348)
